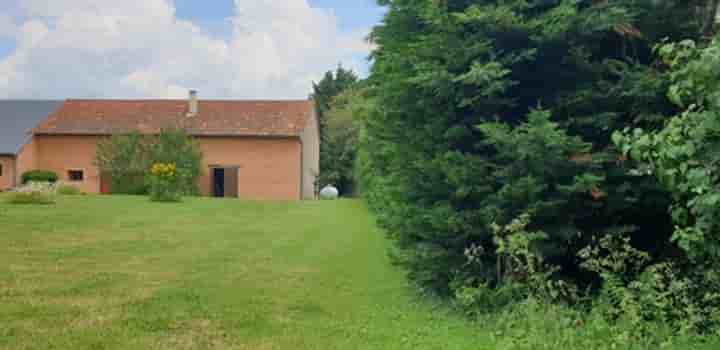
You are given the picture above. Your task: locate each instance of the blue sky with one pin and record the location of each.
(161, 48)
(6, 46)
(353, 14)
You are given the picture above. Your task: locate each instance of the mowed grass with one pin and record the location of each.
(101, 272)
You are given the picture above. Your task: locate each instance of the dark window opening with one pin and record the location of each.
(1, 169)
(76, 175)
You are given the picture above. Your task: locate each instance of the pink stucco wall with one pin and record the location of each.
(268, 168)
(7, 177)
(64, 153)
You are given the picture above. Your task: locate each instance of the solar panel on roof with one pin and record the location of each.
(18, 117)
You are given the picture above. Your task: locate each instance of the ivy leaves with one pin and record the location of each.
(683, 155)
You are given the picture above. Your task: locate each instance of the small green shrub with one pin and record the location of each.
(68, 190)
(33, 193)
(177, 147)
(539, 325)
(641, 304)
(661, 293)
(165, 183)
(521, 272)
(39, 176)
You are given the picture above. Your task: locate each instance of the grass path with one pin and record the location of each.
(124, 273)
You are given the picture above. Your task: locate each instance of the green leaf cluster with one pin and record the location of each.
(683, 155)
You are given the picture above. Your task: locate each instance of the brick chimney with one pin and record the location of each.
(192, 104)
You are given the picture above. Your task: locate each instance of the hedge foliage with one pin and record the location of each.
(489, 111)
(39, 176)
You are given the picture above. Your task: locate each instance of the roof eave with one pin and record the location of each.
(104, 134)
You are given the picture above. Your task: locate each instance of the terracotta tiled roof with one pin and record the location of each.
(214, 118)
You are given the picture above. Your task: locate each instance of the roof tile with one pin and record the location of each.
(214, 118)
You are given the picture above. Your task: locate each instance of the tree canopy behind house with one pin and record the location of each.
(336, 150)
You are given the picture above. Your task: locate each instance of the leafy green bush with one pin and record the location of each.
(640, 293)
(538, 325)
(520, 268)
(639, 305)
(175, 146)
(68, 190)
(33, 193)
(165, 183)
(684, 155)
(39, 176)
(654, 311)
(638, 301)
(127, 159)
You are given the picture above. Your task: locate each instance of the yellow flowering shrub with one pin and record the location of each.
(165, 184)
(164, 170)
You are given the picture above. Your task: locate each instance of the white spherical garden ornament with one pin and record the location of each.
(329, 192)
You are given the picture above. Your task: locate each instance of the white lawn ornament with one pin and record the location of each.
(329, 192)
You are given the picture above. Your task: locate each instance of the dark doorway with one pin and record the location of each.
(224, 181)
(219, 182)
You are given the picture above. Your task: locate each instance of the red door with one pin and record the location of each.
(105, 183)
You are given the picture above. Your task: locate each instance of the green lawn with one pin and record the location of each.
(125, 273)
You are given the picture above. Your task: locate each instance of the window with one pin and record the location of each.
(75, 175)
(1, 169)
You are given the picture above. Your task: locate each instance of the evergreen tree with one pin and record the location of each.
(324, 92)
(486, 110)
(341, 138)
(331, 85)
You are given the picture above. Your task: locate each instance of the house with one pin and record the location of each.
(17, 119)
(260, 150)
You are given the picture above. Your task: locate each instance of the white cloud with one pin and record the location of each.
(139, 48)
(7, 26)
